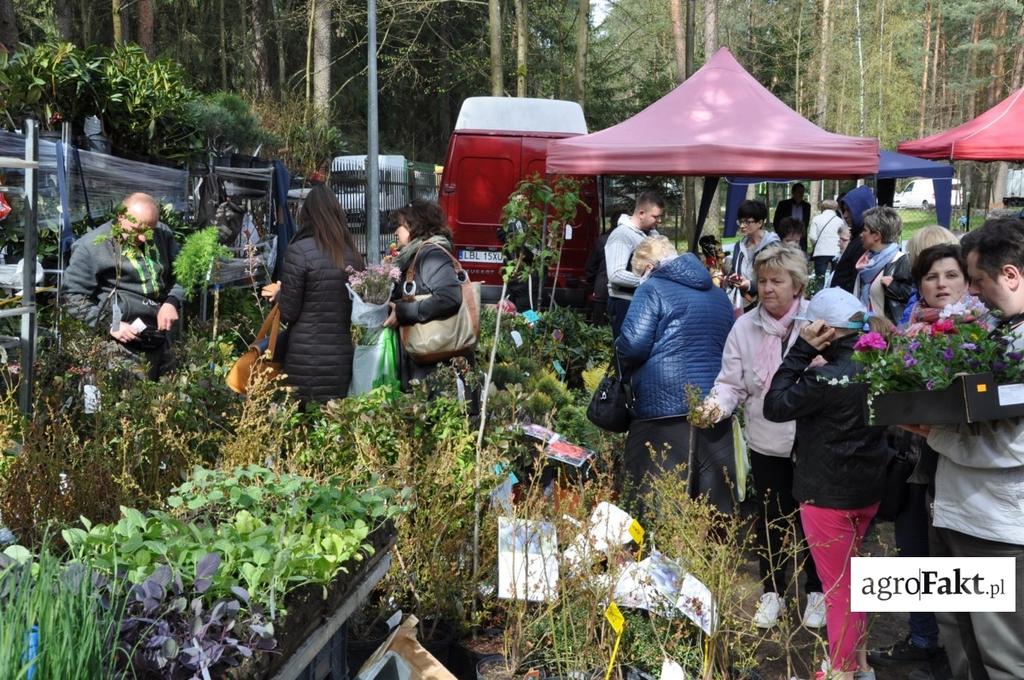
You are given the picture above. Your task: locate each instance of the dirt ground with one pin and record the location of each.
(807, 650)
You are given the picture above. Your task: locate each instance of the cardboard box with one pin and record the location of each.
(970, 399)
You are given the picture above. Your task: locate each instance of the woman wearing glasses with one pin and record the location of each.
(742, 281)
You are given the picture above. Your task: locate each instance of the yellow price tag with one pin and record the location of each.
(615, 618)
(636, 532)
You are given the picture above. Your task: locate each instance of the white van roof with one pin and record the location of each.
(521, 114)
(358, 162)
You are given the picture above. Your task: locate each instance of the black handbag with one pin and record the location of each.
(896, 493)
(610, 406)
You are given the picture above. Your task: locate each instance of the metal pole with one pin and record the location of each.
(28, 319)
(372, 174)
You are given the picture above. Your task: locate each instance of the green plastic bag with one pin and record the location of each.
(375, 362)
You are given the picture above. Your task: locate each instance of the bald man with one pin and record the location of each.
(120, 279)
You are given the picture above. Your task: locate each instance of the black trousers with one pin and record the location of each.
(653, 446)
(821, 264)
(982, 645)
(777, 525)
(617, 308)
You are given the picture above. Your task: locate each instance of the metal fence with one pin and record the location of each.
(400, 184)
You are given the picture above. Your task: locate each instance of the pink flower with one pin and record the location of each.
(870, 341)
(944, 327)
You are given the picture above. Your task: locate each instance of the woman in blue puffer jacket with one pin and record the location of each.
(674, 335)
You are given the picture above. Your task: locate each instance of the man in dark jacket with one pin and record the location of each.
(795, 207)
(120, 279)
(597, 281)
(852, 207)
(673, 336)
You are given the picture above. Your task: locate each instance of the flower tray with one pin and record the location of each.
(972, 398)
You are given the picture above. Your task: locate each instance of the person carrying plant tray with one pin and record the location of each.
(979, 482)
(120, 278)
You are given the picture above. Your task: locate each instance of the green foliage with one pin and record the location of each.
(227, 122)
(196, 259)
(534, 220)
(51, 82)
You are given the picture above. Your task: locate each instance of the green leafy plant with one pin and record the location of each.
(196, 259)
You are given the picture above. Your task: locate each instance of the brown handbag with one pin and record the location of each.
(255, 359)
(441, 339)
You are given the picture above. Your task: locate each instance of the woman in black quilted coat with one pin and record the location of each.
(424, 239)
(314, 302)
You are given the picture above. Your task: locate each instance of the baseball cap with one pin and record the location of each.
(834, 306)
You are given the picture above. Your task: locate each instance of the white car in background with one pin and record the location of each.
(920, 193)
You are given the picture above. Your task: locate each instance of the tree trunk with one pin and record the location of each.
(497, 71)
(676, 10)
(258, 48)
(710, 28)
(282, 69)
(322, 57)
(582, 36)
(924, 71)
(935, 66)
(860, 63)
(9, 37)
(115, 21)
(223, 48)
(309, 58)
(972, 67)
(64, 18)
(145, 28)
(522, 43)
(825, 31)
(998, 60)
(689, 188)
(999, 187)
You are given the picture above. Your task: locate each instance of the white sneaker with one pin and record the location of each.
(768, 610)
(814, 613)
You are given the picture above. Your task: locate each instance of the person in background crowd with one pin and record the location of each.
(673, 335)
(980, 476)
(824, 235)
(423, 238)
(120, 280)
(924, 238)
(852, 207)
(597, 281)
(753, 351)
(794, 207)
(791, 230)
(883, 272)
(314, 301)
(844, 241)
(627, 235)
(711, 254)
(750, 217)
(840, 462)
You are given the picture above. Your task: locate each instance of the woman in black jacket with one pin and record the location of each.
(840, 461)
(314, 302)
(423, 241)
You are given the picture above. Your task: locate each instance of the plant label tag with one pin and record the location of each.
(568, 232)
(615, 618)
(559, 369)
(91, 395)
(670, 670)
(636, 532)
(1010, 395)
(517, 338)
(138, 325)
(395, 619)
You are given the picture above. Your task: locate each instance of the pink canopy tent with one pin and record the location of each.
(996, 135)
(720, 122)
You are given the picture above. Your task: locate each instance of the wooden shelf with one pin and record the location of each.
(13, 163)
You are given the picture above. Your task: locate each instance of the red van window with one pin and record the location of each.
(484, 185)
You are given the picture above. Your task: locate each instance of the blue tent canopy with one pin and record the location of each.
(891, 166)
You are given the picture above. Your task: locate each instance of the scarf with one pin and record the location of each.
(768, 356)
(870, 265)
(406, 254)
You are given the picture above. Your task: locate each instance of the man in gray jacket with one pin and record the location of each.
(618, 249)
(120, 279)
(979, 484)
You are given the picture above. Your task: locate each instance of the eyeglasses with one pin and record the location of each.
(748, 221)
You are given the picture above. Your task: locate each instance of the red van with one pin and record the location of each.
(497, 142)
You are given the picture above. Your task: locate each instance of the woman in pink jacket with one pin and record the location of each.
(753, 352)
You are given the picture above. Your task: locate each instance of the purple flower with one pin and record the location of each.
(969, 346)
(930, 385)
(909, 361)
(557, 335)
(998, 366)
(947, 354)
(914, 346)
(1015, 356)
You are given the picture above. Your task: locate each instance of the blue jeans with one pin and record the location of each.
(617, 308)
(912, 540)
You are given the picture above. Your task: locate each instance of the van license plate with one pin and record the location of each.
(493, 256)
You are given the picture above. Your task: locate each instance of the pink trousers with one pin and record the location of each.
(834, 536)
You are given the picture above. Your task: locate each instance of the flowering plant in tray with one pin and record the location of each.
(370, 290)
(929, 356)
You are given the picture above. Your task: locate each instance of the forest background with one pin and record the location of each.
(894, 69)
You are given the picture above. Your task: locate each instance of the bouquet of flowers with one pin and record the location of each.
(931, 356)
(370, 290)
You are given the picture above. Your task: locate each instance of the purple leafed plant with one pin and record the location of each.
(171, 633)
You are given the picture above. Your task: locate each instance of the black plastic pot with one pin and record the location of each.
(437, 638)
(359, 650)
(493, 668)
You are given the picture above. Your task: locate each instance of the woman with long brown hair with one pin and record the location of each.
(314, 302)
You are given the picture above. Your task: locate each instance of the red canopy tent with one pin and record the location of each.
(720, 122)
(996, 135)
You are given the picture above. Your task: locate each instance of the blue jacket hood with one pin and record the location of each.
(686, 270)
(857, 202)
